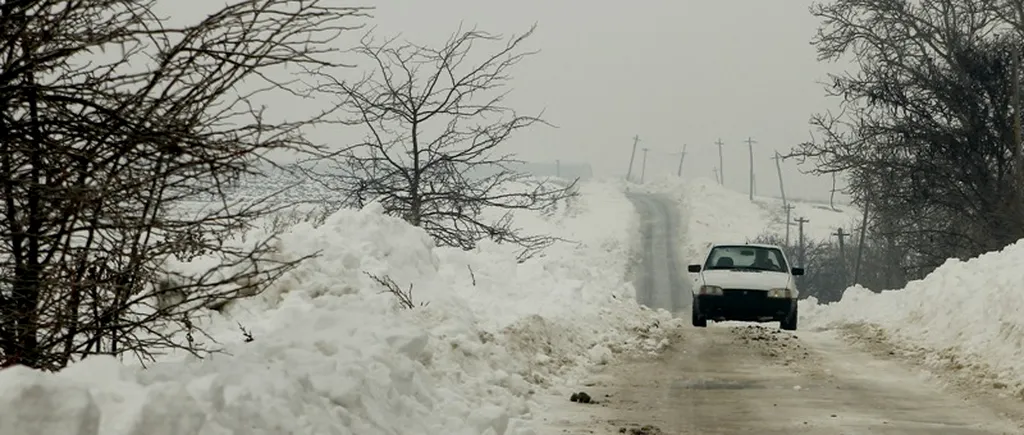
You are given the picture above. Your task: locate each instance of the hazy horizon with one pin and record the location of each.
(670, 72)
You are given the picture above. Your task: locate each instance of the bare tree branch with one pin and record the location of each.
(99, 154)
(436, 125)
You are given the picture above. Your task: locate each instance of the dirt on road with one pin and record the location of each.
(750, 379)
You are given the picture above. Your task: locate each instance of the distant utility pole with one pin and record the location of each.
(842, 251)
(778, 169)
(682, 155)
(789, 222)
(1018, 154)
(832, 194)
(643, 168)
(860, 243)
(750, 145)
(629, 173)
(721, 163)
(803, 251)
(715, 170)
(558, 168)
(842, 240)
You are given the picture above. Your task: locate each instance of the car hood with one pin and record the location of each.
(745, 279)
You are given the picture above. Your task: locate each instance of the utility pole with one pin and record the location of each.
(842, 240)
(682, 155)
(801, 221)
(643, 169)
(1018, 154)
(750, 145)
(778, 169)
(842, 251)
(832, 194)
(860, 243)
(721, 163)
(789, 223)
(629, 173)
(558, 168)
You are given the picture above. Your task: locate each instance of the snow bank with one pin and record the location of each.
(332, 354)
(965, 314)
(716, 214)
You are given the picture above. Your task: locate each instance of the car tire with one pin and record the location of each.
(789, 323)
(698, 320)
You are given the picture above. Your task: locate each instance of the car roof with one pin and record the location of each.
(752, 245)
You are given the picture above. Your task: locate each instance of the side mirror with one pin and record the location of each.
(797, 271)
(693, 268)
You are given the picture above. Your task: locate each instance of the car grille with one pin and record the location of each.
(745, 295)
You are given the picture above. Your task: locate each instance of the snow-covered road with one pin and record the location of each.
(759, 380)
(660, 283)
(741, 378)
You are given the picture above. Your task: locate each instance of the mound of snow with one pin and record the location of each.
(965, 313)
(716, 214)
(333, 353)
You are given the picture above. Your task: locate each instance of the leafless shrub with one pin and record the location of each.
(110, 122)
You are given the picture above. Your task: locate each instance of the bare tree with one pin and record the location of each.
(436, 126)
(926, 128)
(827, 267)
(111, 123)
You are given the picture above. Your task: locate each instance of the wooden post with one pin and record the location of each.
(789, 222)
(682, 155)
(629, 173)
(803, 251)
(860, 243)
(842, 251)
(721, 163)
(782, 187)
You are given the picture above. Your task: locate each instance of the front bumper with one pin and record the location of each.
(744, 306)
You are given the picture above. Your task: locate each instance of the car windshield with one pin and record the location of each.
(746, 257)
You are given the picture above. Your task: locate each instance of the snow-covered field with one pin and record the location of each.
(332, 354)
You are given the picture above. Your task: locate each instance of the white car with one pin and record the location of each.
(745, 282)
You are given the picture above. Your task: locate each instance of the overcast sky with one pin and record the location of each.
(673, 72)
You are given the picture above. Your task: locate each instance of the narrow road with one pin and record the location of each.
(661, 283)
(756, 379)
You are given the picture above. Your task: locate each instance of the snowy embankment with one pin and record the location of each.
(332, 354)
(715, 214)
(965, 316)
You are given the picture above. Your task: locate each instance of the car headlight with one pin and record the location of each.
(780, 293)
(711, 290)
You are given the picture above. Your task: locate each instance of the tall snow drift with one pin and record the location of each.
(333, 354)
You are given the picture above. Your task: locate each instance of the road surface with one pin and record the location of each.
(757, 379)
(661, 282)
